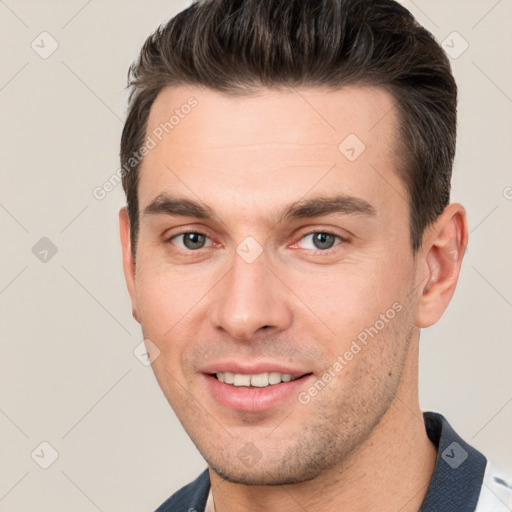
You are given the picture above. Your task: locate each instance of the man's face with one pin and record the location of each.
(288, 249)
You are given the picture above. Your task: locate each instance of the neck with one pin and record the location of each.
(390, 471)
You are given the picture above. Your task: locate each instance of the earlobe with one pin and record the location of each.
(443, 251)
(128, 264)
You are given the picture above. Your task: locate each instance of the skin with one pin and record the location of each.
(360, 443)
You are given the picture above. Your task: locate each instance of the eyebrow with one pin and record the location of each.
(319, 206)
(165, 204)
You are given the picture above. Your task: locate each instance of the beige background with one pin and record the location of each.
(68, 375)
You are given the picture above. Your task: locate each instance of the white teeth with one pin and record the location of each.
(274, 378)
(242, 380)
(259, 380)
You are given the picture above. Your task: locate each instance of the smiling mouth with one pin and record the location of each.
(258, 380)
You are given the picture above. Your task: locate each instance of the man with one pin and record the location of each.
(288, 233)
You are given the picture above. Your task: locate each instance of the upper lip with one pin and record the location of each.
(252, 368)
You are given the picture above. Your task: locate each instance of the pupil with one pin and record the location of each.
(193, 240)
(323, 240)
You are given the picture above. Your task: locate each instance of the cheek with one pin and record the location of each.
(353, 296)
(162, 305)
(172, 304)
(165, 293)
(157, 301)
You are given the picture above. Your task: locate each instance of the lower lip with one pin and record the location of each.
(254, 399)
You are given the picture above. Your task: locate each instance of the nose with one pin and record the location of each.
(250, 299)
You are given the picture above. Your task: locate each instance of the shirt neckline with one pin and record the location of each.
(458, 474)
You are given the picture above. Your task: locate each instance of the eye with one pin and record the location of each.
(320, 241)
(190, 241)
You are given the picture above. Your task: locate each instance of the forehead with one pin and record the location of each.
(272, 144)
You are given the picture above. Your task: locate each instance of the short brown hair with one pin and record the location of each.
(237, 46)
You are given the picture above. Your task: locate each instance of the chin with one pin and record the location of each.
(259, 477)
(264, 472)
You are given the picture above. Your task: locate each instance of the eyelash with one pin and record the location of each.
(324, 232)
(315, 251)
(195, 232)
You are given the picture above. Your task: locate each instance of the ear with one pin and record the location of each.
(128, 262)
(441, 254)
